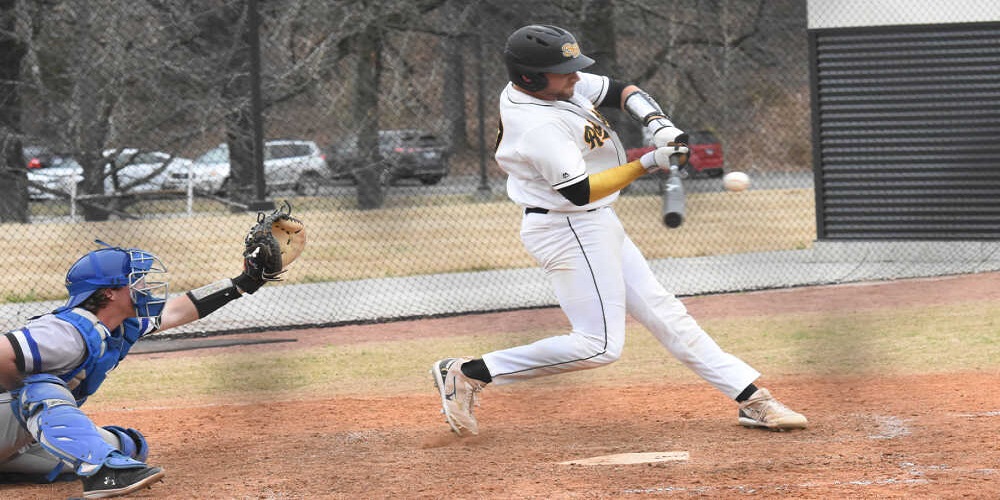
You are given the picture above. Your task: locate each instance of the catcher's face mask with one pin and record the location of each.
(148, 285)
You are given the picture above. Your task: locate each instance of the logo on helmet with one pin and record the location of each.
(571, 50)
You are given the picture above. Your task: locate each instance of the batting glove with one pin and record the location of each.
(662, 158)
(669, 136)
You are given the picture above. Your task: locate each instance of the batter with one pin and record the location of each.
(565, 168)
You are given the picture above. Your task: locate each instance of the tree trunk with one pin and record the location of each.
(13, 177)
(91, 105)
(369, 173)
(453, 90)
(239, 122)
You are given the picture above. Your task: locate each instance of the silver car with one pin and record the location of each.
(56, 181)
(288, 164)
(131, 170)
(126, 170)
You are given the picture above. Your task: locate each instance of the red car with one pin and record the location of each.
(706, 154)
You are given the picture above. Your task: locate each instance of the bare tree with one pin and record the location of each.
(173, 75)
(13, 180)
(453, 45)
(90, 98)
(365, 116)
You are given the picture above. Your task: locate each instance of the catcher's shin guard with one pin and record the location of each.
(49, 412)
(132, 443)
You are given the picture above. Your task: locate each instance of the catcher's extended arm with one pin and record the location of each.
(274, 242)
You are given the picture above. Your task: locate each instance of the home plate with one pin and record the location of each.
(632, 458)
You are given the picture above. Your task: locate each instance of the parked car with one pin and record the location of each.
(295, 164)
(405, 154)
(130, 170)
(60, 176)
(706, 154)
(126, 170)
(207, 173)
(39, 157)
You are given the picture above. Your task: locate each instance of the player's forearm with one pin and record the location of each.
(178, 311)
(211, 297)
(203, 301)
(609, 181)
(601, 184)
(643, 108)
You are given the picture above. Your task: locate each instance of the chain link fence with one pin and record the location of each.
(139, 123)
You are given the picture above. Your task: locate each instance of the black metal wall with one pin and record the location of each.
(906, 129)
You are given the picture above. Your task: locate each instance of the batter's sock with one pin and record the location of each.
(476, 369)
(745, 395)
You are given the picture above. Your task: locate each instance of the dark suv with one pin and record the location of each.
(706, 154)
(405, 154)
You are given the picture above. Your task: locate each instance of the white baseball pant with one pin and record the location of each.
(599, 275)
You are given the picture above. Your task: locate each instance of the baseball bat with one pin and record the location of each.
(673, 197)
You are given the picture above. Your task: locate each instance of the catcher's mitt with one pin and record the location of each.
(272, 244)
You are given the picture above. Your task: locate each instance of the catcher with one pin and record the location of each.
(51, 365)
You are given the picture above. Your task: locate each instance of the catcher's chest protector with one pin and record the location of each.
(104, 351)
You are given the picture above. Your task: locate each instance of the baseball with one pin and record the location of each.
(736, 181)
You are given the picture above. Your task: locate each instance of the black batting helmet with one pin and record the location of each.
(537, 49)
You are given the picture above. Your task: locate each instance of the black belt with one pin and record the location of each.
(536, 210)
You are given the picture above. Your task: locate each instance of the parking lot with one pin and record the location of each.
(344, 190)
(496, 185)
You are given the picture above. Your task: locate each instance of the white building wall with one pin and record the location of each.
(856, 13)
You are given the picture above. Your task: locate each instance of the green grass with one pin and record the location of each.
(939, 339)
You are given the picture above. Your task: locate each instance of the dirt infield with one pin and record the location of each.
(903, 436)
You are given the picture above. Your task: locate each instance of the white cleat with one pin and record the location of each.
(458, 394)
(762, 410)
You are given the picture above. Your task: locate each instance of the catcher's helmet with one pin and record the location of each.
(537, 49)
(114, 267)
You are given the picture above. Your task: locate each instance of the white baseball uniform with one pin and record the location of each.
(597, 272)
